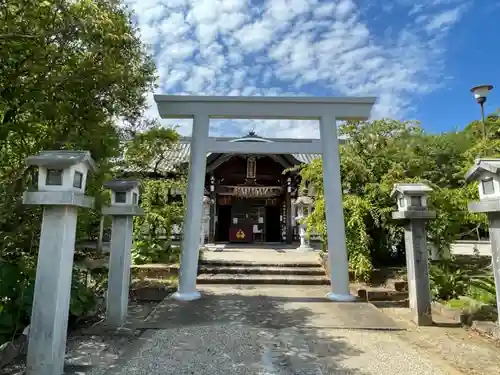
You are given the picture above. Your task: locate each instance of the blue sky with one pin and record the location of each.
(420, 61)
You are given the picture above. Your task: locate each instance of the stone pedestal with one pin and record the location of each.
(120, 261)
(304, 243)
(417, 264)
(418, 272)
(205, 221)
(49, 315)
(494, 228)
(121, 245)
(487, 173)
(492, 209)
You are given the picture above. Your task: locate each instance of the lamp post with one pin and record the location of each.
(480, 94)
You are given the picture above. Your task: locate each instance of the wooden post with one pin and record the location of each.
(213, 195)
(288, 211)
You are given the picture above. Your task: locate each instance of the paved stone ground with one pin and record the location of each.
(264, 254)
(272, 330)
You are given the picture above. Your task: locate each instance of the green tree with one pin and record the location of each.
(71, 70)
(148, 155)
(379, 154)
(149, 152)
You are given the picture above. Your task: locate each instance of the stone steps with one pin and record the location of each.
(213, 263)
(262, 270)
(398, 285)
(248, 272)
(280, 279)
(382, 294)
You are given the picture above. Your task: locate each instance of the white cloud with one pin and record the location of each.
(292, 47)
(444, 20)
(255, 36)
(344, 8)
(324, 10)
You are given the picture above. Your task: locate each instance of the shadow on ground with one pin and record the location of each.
(86, 351)
(229, 333)
(265, 311)
(248, 334)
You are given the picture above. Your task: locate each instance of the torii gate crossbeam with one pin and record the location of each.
(326, 110)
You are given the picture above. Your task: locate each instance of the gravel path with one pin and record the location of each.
(276, 330)
(279, 330)
(467, 350)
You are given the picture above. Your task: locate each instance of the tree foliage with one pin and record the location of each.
(379, 154)
(70, 71)
(164, 211)
(147, 152)
(147, 155)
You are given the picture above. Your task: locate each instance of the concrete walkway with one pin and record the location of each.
(278, 254)
(272, 330)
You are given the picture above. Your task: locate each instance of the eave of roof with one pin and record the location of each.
(179, 154)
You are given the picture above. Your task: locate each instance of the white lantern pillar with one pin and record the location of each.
(62, 177)
(124, 206)
(301, 203)
(205, 220)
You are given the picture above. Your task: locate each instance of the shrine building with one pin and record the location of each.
(250, 195)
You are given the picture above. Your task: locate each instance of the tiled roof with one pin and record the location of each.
(306, 158)
(180, 154)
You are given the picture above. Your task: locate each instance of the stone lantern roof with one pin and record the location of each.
(483, 165)
(121, 185)
(61, 159)
(410, 189)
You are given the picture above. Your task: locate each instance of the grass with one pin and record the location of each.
(464, 304)
(481, 295)
(476, 310)
(168, 281)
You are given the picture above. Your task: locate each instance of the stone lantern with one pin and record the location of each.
(304, 206)
(62, 176)
(62, 171)
(487, 173)
(123, 192)
(411, 196)
(124, 206)
(413, 211)
(205, 219)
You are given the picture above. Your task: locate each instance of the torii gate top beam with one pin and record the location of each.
(326, 110)
(264, 107)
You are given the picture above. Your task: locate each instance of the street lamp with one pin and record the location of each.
(480, 94)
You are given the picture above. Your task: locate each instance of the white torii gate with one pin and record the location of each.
(327, 110)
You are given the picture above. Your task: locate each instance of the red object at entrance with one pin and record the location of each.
(240, 233)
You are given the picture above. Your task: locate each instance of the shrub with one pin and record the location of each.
(483, 289)
(447, 281)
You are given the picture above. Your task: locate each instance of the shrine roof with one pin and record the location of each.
(180, 151)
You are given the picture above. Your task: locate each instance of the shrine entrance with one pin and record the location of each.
(324, 110)
(223, 224)
(249, 221)
(272, 224)
(251, 196)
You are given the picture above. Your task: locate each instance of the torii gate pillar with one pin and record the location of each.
(326, 110)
